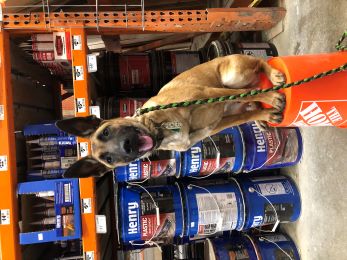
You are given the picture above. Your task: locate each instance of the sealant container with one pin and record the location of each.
(140, 221)
(201, 159)
(269, 199)
(160, 164)
(270, 149)
(213, 208)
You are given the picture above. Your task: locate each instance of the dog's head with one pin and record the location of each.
(115, 142)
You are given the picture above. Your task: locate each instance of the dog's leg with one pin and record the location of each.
(274, 99)
(240, 71)
(271, 115)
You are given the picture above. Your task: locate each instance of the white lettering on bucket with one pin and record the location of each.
(334, 115)
(259, 138)
(257, 221)
(195, 159)
(133, 171)
(132, 206)
(313, 116)
(144, 227)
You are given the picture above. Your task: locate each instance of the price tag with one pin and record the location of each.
(94, 110)
(87, 205)
(101, 224)
(3, 163)
(83, 149)
(78, 72)
(92, 63)
(2, 112)
(81, 105)
(77, 42)
(89, 255)
(4, 217)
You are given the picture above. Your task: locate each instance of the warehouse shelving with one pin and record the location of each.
(79, 24)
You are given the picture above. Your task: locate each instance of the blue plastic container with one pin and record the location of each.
(160, 164)
(138, 218)
(274, 148)
(213, 208)
(237, 247)
(266, 245)
(280, 191)
(201, 159)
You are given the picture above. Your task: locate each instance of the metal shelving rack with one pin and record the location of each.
(80, 24)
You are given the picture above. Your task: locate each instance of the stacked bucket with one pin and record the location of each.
(196, 207)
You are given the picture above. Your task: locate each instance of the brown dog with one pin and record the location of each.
(120, 141)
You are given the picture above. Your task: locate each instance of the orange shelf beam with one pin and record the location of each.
(87, 185)
(9, 240)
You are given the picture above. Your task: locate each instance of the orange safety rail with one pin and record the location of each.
(9, 240)
(87, 185)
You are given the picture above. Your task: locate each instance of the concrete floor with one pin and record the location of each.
(313, 26)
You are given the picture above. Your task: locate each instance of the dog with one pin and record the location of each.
(119, 141)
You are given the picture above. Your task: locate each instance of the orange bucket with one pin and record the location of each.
(322, 102)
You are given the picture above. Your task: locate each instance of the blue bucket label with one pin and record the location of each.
(202, 158)
(273, 148)
(160, 164)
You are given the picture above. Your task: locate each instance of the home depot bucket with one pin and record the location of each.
(273, 148)
(160, 164)
(322, 102)
(275, 246)
(213, 208)
(239, 247)
(270, 199)
(140, 221)
(202, 159)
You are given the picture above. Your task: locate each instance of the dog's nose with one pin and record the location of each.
(127, 146)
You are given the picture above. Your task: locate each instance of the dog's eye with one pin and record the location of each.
(109, 159)
(106, 132)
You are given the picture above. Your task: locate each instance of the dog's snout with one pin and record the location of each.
(127, 146)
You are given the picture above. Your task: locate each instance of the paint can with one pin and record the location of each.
(203, 158)
(270, 200)
(271, 246)
(160, 164)
(270, 149)
(220, 48)
(150, 214)
(238, 247)
(210, 209)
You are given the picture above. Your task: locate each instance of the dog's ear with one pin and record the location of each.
(86, 167)
(79, 126)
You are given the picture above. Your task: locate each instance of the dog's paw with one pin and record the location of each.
(274, 116)
(277, 77)
(276, 100)
(262, 125)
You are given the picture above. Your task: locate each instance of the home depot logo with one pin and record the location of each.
(319, 114)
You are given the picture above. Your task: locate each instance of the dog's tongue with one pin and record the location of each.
(146, 143)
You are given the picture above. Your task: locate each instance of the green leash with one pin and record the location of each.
(338, 46)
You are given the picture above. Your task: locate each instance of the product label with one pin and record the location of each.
(66, 162)
(101, 227)
(2, 112)
(135, 77)
(275, 146)
(163, 231)
(83, 149)
(92, 63)
(87, 205)
(160, 163)
(273, 188)
(81, 105)
(78, 72)
(5, 217)
(202, 158)
(256, 53)
(76, 42)
(321, 113)
(89, 255)
(3, 163)
(217, 212)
